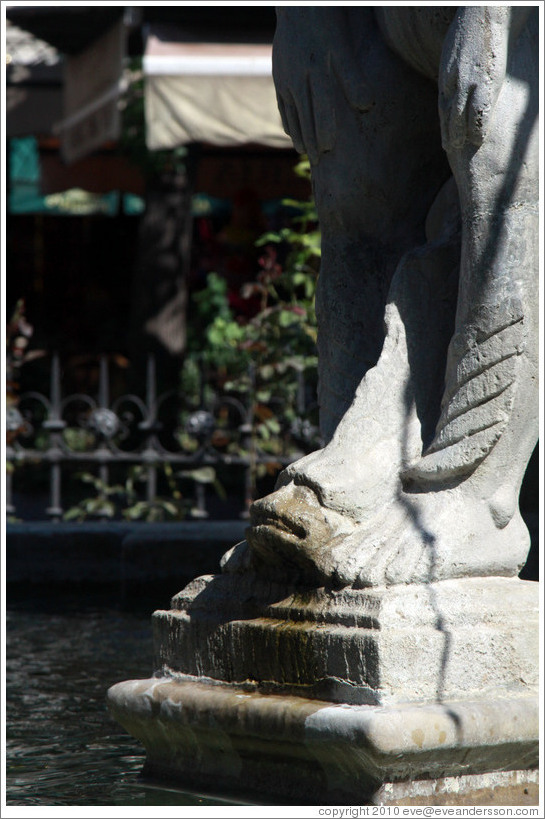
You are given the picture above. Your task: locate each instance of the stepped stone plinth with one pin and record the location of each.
(389, 695)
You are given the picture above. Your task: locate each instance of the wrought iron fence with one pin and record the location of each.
(146, 432)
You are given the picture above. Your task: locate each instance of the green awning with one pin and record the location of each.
(25, 196)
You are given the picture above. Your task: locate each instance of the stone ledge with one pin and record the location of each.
(202, 734)
(119, 555)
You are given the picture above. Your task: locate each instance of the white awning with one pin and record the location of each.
(218, 93)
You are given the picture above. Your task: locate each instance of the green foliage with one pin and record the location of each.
(264, 358)
(102, 504)
(109, 501)
(212, 320)
(204, 475)
(77, 439)
(173, 507)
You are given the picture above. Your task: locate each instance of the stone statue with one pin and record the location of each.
(429, 423)
(358, 648)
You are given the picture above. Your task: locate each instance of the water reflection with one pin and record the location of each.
(62, 748)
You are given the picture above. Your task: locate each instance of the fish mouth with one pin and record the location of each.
(265, 519)
(292, 533)
(287, 525)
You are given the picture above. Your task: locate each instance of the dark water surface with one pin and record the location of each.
(62, 747)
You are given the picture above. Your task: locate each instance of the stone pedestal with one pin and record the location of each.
(401, 695)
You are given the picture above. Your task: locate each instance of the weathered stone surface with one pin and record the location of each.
(408, 694)
(223, 737)
(447, 640)
(498, 788)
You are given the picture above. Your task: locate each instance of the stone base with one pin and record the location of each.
(203, 734)
(450, 640)
(384, 695)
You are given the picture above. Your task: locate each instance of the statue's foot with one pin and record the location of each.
(415, 538)
(343, 516)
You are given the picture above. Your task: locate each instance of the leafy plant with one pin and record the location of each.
(110, 500)
(124, 499)
(100, 505)
(270, 359)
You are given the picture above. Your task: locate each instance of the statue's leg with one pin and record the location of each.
(464, 490)
(343, 513)
(369, 125)
(373, 190)
(489, 423)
